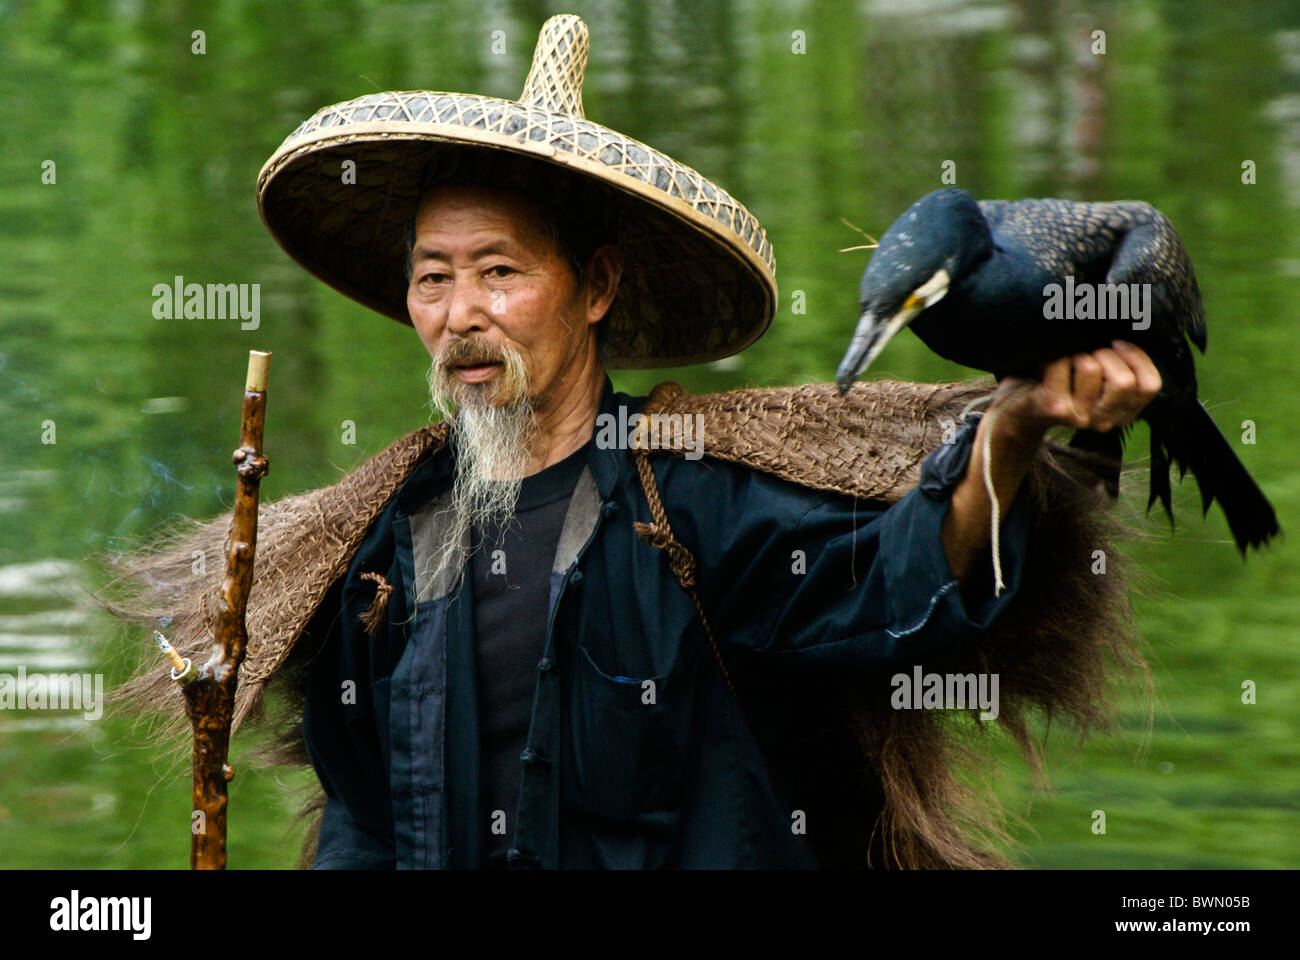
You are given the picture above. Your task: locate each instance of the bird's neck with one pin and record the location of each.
(981, 322)
(1001, 277)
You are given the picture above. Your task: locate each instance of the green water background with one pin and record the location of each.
(157, 150)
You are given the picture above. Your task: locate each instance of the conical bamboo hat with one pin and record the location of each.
(699, 279)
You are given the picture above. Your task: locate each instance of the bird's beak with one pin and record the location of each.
(868, 340)
(874, 332)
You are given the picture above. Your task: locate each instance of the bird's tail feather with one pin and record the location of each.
(1160, 478)
(1191, 440)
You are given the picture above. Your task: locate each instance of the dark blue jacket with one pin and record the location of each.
(799, 585)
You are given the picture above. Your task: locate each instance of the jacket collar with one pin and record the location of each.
(607, 461)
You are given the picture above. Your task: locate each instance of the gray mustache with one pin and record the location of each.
(470, 352)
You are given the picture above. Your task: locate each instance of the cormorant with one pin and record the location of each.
(1008, 287)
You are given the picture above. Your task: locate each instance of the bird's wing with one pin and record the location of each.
(1133, 241)
(1061, 237)
(994, 211)
(1150, 251)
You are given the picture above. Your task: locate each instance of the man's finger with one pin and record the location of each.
(1055, 391)
(1117, 373)
(1056, 376)
(1148, 377)
(1087, 386)
(1116, 404)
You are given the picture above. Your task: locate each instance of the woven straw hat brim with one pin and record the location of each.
(698, 282)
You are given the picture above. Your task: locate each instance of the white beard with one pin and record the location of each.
(492, 445)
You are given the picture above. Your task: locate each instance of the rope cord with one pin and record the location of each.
(659, 534)
(680, 560)
(995, 512)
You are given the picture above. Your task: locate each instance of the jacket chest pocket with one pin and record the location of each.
(625, 739)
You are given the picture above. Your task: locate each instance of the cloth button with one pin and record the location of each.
(576, 578)
(609, 509)
(545, 665)
(529, 755)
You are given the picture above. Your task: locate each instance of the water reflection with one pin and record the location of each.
(45, 631)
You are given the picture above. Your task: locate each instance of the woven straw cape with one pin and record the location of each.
(699, 280)
(1051, 647)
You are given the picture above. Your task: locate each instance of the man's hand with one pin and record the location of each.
(1097, 391)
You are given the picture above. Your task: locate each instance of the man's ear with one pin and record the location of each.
(603, 273)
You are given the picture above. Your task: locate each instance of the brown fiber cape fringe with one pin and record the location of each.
(897, 784)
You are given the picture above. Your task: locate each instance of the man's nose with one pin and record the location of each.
(468, 308)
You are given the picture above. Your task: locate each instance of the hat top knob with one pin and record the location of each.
(559, 61)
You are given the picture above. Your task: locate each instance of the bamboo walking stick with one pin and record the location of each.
(210, 690)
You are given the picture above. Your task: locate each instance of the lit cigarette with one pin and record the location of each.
(183, 670)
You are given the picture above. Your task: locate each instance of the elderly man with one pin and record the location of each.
(507, 675)
(581, 770)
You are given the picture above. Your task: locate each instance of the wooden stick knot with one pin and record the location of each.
(251, 467)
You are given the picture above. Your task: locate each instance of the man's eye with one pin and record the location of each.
(433, 278)
(500, 270)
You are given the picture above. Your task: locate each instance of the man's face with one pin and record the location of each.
(486, 276)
